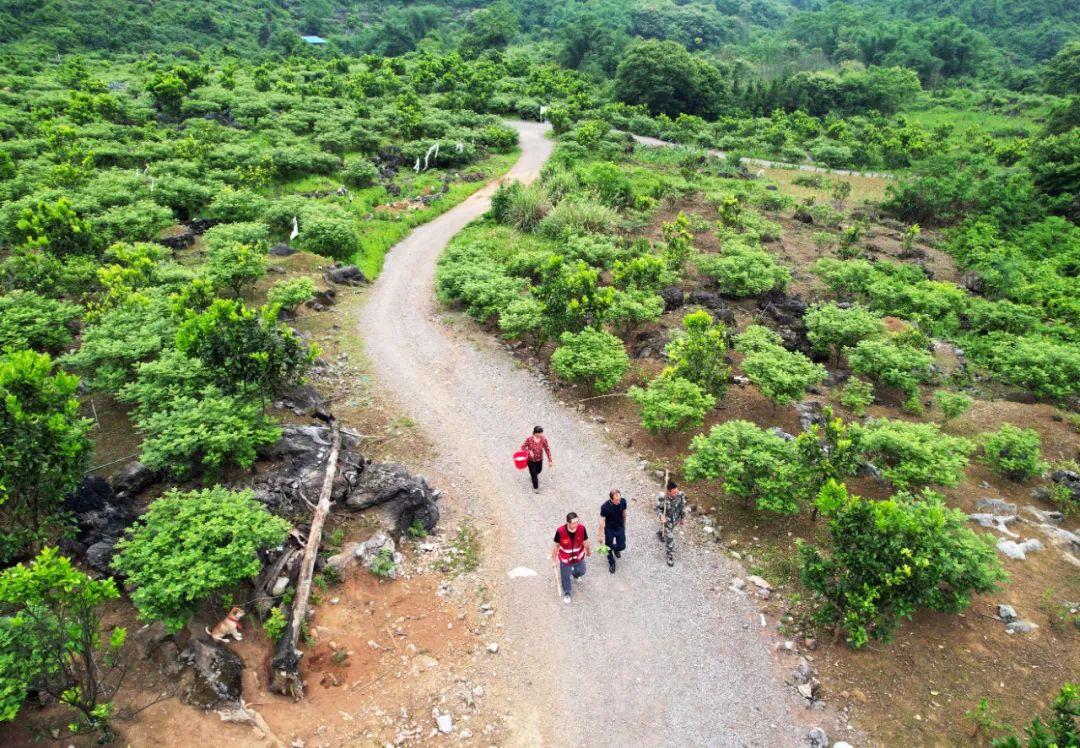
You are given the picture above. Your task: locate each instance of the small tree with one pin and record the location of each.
(630, 309)
(781, 375)
(671, 404)
(891, 558)
(523, 319)
(891, 363)
(679, 243)
(591, 356)
(830, 327)
(189, 545)
(291, 293)
(697, 353)
(841, 191)
(44, 448)
(1062, 728)
(912, 455)
(1013, 452)
(743, 271)
(234, 266)
(572, 296)
(857, 395)
(751, 463)
(952, 404)
(28, 320)
(51, 640)
(826, 452)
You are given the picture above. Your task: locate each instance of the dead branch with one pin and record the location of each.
(285, 666)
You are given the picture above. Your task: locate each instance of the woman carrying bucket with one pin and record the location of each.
(532, 454)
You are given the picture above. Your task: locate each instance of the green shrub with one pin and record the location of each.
(523, 319)
(245, 348)
(952, 404)
(359, 173)
(291, 293)
(572, 295)
(1013, 452)
(678, 243)
(253, 234)
(143, 220)
(521, 206)
(892, 558)
(190, 545)
(328, 236)
(275, 624)
(44, 448)
(696, 353)
(644, 273)
(52, 620)
(578, 216)
(383, 564)
(630, 309)
(591, 356)
(205, 433)
(234, 266)
(751, 463)
(28, 320)
(1061, 730)
(160, 382)
(55, 226)
(757, 338)
(237, 205)
(912, 455)
(743, 271)
(609, 183)
(781, 375)
(891, 363)
(833, 328)
(857, 395)
(671, 404)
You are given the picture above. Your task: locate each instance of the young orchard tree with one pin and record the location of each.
(44, 448)
(889, 559)
(1013, 452)
(671, 403)
(523, 319)
(52, 640)
(952, 404)
(235, 266)
(781, 375)
(892, 364)
(827, 451)
(592, 356)
(913, 455)
(832, 328)
(678, 243)
(697, 353)
(630, 309)
(753, 464)
(189, 545)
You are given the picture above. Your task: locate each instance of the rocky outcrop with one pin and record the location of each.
(408, 498)
(786, 315)
(133, 479)
(345, 275)
(716, 306)
(101, 516)
(217, 674)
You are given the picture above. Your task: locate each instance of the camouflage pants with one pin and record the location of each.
(666, 533)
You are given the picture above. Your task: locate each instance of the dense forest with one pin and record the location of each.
(158, 159)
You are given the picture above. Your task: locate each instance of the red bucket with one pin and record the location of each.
(521, 459)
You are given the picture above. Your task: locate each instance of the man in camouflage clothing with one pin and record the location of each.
(670, 510)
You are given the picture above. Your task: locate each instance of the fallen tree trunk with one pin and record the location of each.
(286, 663)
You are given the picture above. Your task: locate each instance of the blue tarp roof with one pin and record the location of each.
(313, 39)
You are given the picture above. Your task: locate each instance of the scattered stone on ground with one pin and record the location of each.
(217, 674)
(1019, 551)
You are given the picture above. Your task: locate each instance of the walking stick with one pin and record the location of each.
(558, 580)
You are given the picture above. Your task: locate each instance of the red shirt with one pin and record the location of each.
(535, 446)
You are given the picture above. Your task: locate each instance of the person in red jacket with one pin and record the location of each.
(535, 447)
(569, 552)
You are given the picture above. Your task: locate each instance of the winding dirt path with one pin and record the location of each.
(652, 656)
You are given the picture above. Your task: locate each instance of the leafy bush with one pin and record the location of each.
(891, 363)
(359, 173)
(189, 545)
(644, 273)
(291, 293)
(857, 395)
(521, 206)
(328, 236)
(678, 243)
(234, 266)
(383, 564)
(523, 319)
(160, 382)
(671, 404)
(28, 320)
(696, 353)
(752, 464)
(143, 220)
(572, 295)
(1048, 368)
(1061, 729)
(275, 624)
(245, 348)
(208, 432)
(891, 558)
(578, 216)
(952, 404)
(52, 641)
(743, 271)
(237, 205)
(781, 375)
(251, 233)
(826, 451)
(1013, 452)
(913, 455)
(592, 356)
(629, 309)
(831, 327)
(55, 226)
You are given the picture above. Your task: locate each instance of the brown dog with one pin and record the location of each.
(230, 626)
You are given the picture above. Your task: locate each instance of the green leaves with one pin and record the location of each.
(591, 356)
(892, 363)
(743, 270)
(696, 353)
(891, 558)
(751, 463)
(912, 455)
(781, 375)
(234, 266)
(28, 320)
(671, 403)
(1013, 452)
(831, 327)
(188, 546)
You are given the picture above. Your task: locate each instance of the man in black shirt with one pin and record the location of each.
(613, 526)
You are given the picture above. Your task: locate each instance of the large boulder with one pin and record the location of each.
(101, 517)
(786, 314)
(673, 297)
(217, 674)
(304, 400)
(348, 275)
(134, 478)
(715, 304)
(300, 457)
(407, 498)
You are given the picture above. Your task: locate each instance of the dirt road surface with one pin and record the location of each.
(649, 656)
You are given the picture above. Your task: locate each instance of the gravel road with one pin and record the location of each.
(650, 656)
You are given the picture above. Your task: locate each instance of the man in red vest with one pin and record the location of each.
(569, 552)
